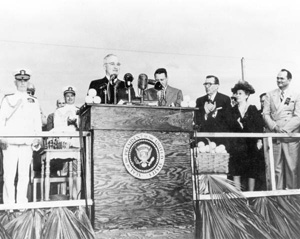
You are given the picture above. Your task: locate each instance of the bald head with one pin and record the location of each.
(60, 103)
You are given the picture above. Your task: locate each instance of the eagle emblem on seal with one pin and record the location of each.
(143, 153)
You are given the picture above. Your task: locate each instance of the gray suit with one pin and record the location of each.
(173, 96)
(286, 115)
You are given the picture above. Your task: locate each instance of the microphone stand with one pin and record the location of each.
(105, 97)
(115, 93)
(129, 95)
(142, 98)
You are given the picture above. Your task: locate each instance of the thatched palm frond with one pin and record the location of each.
(63, 224)
(27, 225)
(222, 188)
(3, 233)
(6, 217)
(86, 224)
(280, 213)
(228, 215)
(295, 201)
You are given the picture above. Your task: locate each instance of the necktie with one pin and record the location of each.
(162, 98)
(209, 99)
(108, 92)
(163, 94)
(282, 96)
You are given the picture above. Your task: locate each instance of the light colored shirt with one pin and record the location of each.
(20, 114)
(61, 116)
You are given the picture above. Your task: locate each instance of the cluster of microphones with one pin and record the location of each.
(143, 83)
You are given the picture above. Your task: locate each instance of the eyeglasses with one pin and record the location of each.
(280, 78)
(114, 64)
(208, 84)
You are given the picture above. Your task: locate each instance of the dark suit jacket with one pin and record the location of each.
(218, 124)
(122, 93)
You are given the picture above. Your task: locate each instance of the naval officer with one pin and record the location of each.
(19, 114)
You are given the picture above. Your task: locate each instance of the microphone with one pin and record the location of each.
(157, 84)
(143, 82)
(128, 78)
(113, 78)
(142, 85)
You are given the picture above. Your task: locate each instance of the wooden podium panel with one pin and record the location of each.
(143, 118)
(122, 201)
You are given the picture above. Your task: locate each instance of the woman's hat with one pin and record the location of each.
(243, 85)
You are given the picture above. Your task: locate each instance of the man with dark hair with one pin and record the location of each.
(110, 85)
(168, 95)
(262, 99)
(214, 108)
(282, 115)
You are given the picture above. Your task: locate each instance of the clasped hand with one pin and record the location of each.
(72, 121)
(209, 107)
(279, 130)
(36, 144)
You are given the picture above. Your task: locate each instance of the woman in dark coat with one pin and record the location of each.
(245, 118)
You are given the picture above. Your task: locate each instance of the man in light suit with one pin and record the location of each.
(282, 115)
(214, 108)
(168, 96)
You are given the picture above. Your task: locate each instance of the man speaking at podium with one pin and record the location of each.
(110, 86)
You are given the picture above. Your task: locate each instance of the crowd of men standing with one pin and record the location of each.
(20, 113)
(280, 114)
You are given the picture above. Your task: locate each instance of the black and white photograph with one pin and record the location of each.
(170, 119)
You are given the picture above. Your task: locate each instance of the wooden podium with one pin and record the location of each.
(123, 201)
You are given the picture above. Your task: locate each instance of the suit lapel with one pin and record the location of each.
(276, 99)
(280, 104)
(169, 94)
(216, 99)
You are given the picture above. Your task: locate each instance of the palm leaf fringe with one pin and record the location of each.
(28, 225)
(63, 224)
(3, 233)
(86, 224)
(7, 216)
(281, 212)
(228, 214)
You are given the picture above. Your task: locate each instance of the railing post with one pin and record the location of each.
(272, 168)
(88, 151)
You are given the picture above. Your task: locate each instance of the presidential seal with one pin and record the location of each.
(143, 156)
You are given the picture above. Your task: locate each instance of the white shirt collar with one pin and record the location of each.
(212, 97)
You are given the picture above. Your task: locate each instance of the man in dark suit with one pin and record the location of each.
(110, 86)
(168, 95)
(214, 108)
(262, 99)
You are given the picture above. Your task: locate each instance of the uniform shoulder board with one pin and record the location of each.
(5, 97)
(8, 100)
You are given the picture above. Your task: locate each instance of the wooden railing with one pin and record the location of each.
(86, 152)
(269, 137)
